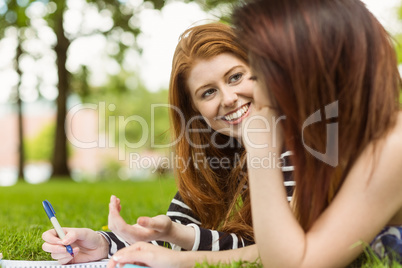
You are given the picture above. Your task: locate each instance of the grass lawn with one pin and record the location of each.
(23, 219)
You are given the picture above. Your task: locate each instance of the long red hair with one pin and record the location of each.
(310, 54)
(218, 196)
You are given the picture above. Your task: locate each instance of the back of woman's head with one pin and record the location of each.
(313, 53)
(208, 191)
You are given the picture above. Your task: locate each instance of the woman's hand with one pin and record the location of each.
(146, 229)
(262, 131)
(146, 254)
(87, 245)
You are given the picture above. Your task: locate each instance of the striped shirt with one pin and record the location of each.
(205, 239)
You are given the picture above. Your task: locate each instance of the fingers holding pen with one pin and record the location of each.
(87, 245)
(54, 244)
(59, 253)
(70, 237)
(52, 237)
(65, 258)
(54, 249)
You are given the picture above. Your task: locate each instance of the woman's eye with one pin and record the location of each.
(208, 92)
(234, 78)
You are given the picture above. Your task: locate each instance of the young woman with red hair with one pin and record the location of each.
(328, 69)
(210, 94)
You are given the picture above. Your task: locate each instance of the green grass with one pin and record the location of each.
(234, 264)
(23, 219)
(368, 259)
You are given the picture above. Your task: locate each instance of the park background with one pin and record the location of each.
(78, 80)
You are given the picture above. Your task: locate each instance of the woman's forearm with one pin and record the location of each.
(190, 258)
(273, 221)
(181, 235)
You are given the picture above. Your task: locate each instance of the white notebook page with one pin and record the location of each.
(50, 264)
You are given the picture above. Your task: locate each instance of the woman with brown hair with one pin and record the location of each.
(210, 94)
(329, 69)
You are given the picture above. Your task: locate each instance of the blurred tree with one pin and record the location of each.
(56, 22)
(124, 24)
(14, 16)
(123, 14)
(21, 151)
(124, 96)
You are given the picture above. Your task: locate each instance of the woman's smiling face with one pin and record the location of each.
(221, 90)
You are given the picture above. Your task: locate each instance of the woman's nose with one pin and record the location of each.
(229, 98)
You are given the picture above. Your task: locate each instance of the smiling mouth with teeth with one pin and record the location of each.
(239, 113)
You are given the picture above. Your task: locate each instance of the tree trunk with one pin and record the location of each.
(21, 151)
(60, 157)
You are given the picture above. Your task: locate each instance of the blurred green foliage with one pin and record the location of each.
(398, 37)
(398, 47)
(131, 113)
(40, 147)
(121, 32)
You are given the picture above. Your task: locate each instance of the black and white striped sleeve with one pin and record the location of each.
(212, 240)
(287, 170)
(178, 212)
(115, 242)
(205, 239)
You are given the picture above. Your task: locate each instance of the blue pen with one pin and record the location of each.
(51, 214)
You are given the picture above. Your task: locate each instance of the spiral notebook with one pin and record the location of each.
(50, 264)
